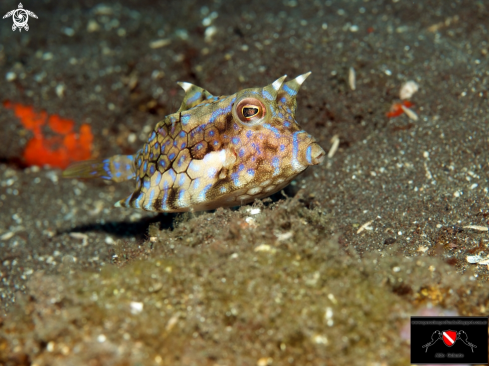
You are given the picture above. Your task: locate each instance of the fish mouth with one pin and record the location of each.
(315, 154)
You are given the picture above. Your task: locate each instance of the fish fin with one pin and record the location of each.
(194, 95)
(289, 90)
(117, 168)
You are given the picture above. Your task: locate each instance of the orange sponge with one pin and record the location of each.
(60, 150)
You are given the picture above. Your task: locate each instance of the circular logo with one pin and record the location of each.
(20, 18)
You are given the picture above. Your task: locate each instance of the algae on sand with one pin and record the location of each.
(226, 289)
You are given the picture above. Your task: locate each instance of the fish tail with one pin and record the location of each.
(117, 168)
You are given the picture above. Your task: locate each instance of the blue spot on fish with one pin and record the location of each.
(295, 146)
(276, 165)
(185, 119)
(235, 178)
(256, 147)
(204, 192)
(235, 140)
(137, 201)
(181, 181)
(288, 90)
(164, 206)
(148, 204)
(273, 129)
(194, 98)
(157, 178)
(266, 95)
(308, 154)
(181, 160)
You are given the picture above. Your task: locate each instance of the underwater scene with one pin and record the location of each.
(283, 182)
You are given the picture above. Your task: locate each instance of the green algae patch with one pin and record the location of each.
(262, 285)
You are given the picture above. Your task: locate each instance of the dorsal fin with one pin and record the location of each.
(288, 93)
(193, 95)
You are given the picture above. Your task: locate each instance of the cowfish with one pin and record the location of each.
(215, 151)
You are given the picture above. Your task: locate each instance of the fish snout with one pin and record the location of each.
(315, 154)
(306, 151)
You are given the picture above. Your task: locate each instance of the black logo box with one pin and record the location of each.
(470, 346)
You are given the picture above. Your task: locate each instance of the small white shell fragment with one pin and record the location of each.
(320, 339)
(352, 79)
(264, 361)
(422, 249)
(408, 89)
(335, 140)
(484, 261)
(284, 236)
(101, 338)
(410, 113)
(476, 227)
(250, 221)
(7, 235)
(92, 26)
(365, 226)
(158, 43)
(265, 248)
(60, 90)
(328, 316)
(80, 236)
(332, 299)
(209, 33)
(254, 211)
(10, 76)
(473, 258)
(172, 322)
(136, 307)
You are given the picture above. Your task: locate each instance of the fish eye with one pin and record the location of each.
(250, 111)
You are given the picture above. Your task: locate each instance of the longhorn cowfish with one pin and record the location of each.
(215, 151)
